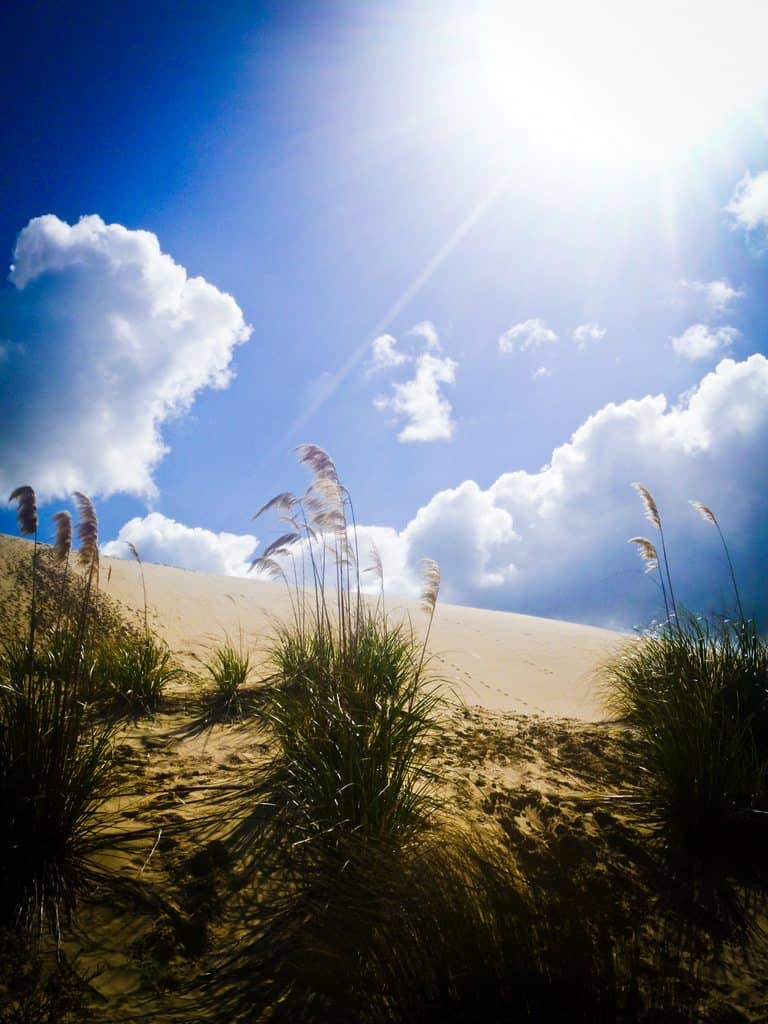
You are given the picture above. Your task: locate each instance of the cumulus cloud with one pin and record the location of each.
(109, 338)
(553, 542)
(718, 294)
(427, 330)
(419, 401)
(525, 335)
(428, 414)
(585, 333)
(700, 342)
(384, 353)
(749, 203)
(160, 539)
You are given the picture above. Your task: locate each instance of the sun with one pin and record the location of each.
(607, 82)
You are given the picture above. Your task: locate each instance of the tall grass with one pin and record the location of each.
(349, 706)
(697, 692)
(55, 767)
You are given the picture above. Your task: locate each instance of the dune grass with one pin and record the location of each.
(227, 670)
(55, 762)
(133, 674)
(697, 692)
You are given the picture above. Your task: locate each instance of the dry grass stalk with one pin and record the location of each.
(26, 510)
(652, 514)
(707, 514)
(87, 530)
(651, 510)
(430, 577)
(62, 544)
(318, 460)
(282, 502)
(648, 552)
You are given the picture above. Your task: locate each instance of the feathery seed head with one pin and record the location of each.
(87, 530)
(651, 510)
(283, 502)
(430, 582)
(281, 545)
(704, 512)
(376, 565)
(26, 509)
(63, 542)
(318, 460)
(132, 548)
(647, 552)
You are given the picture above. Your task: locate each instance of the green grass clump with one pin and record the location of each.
(349, 705)
(228, 670)
(348, 720)
(698, 695)
(134, 672)
(55, 772)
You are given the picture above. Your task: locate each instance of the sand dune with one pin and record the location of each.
(500, 660)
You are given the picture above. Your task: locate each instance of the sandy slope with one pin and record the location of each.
(503, 661)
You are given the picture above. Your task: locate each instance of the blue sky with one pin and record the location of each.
(466, 247)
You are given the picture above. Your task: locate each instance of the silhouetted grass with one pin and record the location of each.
(134, 672)
(55, 772)
(697, 692)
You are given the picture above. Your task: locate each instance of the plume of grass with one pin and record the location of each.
(429, 591)
(653, 516)
(26, 511)
(650, 556)
(87, 532)
(132, 548)
(62, 547)
(709, 516)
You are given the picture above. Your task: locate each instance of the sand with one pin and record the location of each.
(498, 660)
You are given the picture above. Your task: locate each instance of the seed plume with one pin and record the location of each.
(87, 530)
(648, 552)
(376, 565)
(651, 511)
(430, 581)
(26, 509)
(283, 502)
(63, 542)
(705, 512)
(318, 460)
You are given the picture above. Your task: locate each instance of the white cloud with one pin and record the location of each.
(421, 402)
(553, 542)
(749, 203)
(159, 539)
(719, 294)
(427, 330)
(529, 334)
(113, 339)
(542, 371)
(384, 353)
(700, 342)
(585, 333)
